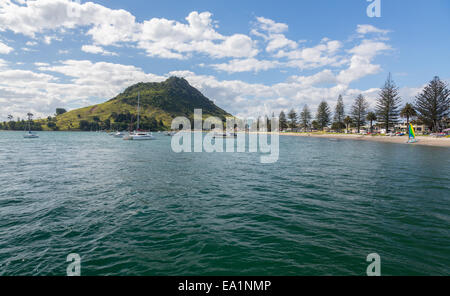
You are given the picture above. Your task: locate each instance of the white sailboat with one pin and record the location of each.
(119, 134)
(139, 135)
(30, 134)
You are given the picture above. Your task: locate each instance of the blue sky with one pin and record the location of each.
(250, 57)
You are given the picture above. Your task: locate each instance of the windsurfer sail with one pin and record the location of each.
(412, 134)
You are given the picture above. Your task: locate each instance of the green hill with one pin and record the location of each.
(160, 103)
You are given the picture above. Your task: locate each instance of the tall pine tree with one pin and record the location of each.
(339, 114)
(323, 115)
(292, 116)
(283, 121)
(387, 104)
(305, 118)
(433, 104)
(359, 112)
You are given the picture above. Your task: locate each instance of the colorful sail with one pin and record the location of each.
(412, 134)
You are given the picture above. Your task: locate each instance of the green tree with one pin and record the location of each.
(283, 121)
(348, 120)
(371, 117)
(85, 125)
(359, 111)
(292, 115)
(408, 112)
(305, 118)
(315, 125)
(60, 111)
(339, 114)
(323, 115)
(433, 103)
(388, 103)
(51, 125)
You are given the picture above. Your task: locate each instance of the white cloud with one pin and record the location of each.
(171, 39)
(48, 39)
(272, 34)
(361, 61)
(367, 29)
(271, 26)
(321, 55)
(97, 50)
(246, 65)
(5, 49)
(39, 64)
(158, 37)
(278, 41)
(323, 77)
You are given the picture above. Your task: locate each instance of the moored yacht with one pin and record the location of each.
(30, 134)
(139, 135)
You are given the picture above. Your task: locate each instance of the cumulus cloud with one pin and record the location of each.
(367, 29)
(271, 32)
(171, 39)
(281, 47)
(97, 50)
(159, 37)
(361, 61)
(246, 65)
(271, 26)
(5, 49)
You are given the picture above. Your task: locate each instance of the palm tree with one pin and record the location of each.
(407, 112)
(10, 117)
(371, 117)
(347, 120)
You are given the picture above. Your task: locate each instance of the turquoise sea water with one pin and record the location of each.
(137, 208)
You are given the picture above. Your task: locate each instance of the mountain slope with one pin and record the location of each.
(160, 103)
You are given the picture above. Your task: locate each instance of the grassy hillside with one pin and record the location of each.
(160, 103)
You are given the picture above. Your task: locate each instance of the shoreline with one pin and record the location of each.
(422, 140)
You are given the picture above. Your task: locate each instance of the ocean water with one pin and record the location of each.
(137, 208)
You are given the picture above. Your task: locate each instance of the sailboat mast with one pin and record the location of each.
(29, 122)
(138, 109)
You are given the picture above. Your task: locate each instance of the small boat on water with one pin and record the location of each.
(139, 135)
(30, 134)
(225, 135)
(120, 134)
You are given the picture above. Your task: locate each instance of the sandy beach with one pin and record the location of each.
(422, 140)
